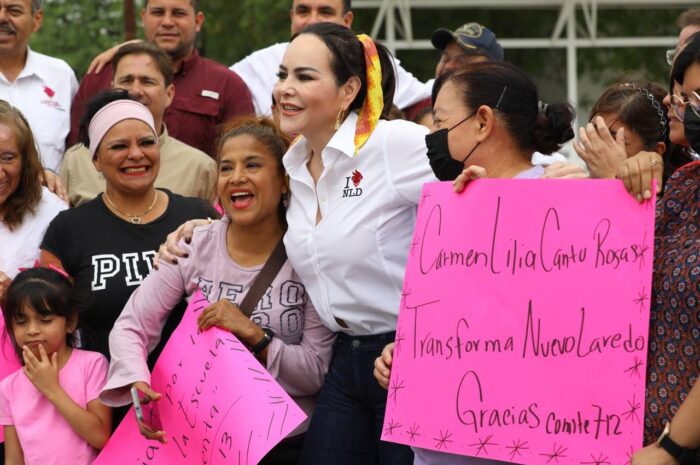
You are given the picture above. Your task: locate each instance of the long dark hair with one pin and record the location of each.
(507, 89)
(28, 193)
(348, 60)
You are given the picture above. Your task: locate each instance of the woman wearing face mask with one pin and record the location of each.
(490, 117)
(671, 419)
(488, 123)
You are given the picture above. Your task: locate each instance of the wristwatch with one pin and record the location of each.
(264, 342)
(665, 442)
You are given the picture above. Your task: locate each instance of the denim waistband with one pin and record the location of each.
(383, 337)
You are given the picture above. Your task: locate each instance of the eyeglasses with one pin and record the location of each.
(678, 104)
(670, 55)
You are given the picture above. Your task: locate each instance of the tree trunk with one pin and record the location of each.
(129, 20)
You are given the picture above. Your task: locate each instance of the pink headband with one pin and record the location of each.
(113, 113)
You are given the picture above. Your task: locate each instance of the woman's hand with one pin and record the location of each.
(382, 365)
(169, 251)
(4, 284)
(638, 173)
(149, 395)
(564, 170)
(54, 184)
(42, 371)
(652, 455)
(602, 153)
(229, 317)
(469, 174)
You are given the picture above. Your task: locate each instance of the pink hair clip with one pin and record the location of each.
(51, 266)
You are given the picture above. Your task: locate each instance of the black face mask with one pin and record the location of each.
(691, 124)
(444, 166)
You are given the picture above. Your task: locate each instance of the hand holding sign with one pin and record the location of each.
(218, 404)
(527, 302)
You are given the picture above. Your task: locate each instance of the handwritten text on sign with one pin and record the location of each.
(527, 302)
(219, 404)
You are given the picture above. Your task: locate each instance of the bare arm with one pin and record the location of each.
(13, 449)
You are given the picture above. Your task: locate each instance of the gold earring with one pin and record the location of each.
(339, 119)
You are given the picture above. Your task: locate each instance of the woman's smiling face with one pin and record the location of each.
(251, 181)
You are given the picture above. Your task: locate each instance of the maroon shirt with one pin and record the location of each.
(207, 94)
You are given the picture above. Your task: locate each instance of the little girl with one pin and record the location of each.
(50, 408)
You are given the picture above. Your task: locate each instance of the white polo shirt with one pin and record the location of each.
(259, 71)
(352, 262)
(43, 92)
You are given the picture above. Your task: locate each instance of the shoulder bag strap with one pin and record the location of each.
(272, 266)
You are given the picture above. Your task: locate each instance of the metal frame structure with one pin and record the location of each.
(395, 16)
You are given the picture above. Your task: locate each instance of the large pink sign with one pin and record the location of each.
(522, 334)
(219, 405)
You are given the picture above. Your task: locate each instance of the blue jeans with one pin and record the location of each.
(348, 420)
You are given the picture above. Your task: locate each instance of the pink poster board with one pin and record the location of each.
(522, 333)
(9, 362)
(219, 405)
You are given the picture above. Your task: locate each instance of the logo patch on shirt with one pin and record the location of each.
(356, 179)
(210, 94)
(50, 102)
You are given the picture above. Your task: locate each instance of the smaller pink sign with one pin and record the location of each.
(219, 405)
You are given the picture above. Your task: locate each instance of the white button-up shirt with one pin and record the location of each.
(43, 92)
(352, 262)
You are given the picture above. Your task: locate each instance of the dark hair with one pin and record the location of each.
(690, 17)
(158, 55)
(347, 6)
(194, 4)
(95, 105)
(348, 60)
(689, 55)
(506, 89)
(637, 105)
(45, 291)
(678, 155)
(265, 132)
(28, 193)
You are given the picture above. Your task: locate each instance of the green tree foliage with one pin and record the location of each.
(76, 30)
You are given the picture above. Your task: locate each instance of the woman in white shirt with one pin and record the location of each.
(351, 217)
(26, 208)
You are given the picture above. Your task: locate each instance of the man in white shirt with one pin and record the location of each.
(41, 87)
(259, 69)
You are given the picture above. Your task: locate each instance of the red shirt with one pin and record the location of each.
(207, 94)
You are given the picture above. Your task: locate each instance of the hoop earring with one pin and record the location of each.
(285, 199)
(339, 119)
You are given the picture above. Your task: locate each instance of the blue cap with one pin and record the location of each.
(472, 37)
